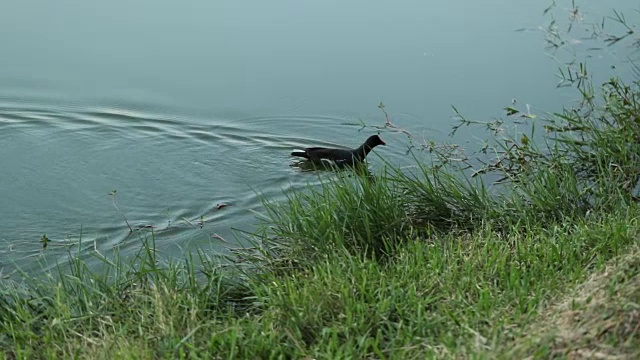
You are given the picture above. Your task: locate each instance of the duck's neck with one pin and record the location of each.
(361, 152)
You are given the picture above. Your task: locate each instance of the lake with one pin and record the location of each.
(183, 108)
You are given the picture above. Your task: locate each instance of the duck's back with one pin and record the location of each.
(319, 153)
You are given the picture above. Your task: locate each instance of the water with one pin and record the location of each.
(181, 107)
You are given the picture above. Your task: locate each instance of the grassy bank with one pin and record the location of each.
(484, 292)
(527, 249)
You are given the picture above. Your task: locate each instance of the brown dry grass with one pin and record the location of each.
(599, 320)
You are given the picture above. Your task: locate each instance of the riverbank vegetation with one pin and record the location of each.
(527, 248)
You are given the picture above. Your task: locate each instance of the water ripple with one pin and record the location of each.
(171, 172)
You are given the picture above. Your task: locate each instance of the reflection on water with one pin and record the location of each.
(360, 168)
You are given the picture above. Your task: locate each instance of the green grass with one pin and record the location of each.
(447, 295)
(451, 291)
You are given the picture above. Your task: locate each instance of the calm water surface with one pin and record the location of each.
(184, 106)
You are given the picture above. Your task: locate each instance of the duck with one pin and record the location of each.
(340, 156)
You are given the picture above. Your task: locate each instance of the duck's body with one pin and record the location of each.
(340, 156)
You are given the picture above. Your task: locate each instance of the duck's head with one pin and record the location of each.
(374, 140)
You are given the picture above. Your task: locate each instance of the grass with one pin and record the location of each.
(449, 295)
(433, 262)
(600, 319)
(452, 291)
